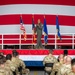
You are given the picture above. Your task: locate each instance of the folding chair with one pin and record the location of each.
(48, 65)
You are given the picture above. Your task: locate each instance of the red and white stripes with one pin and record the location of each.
(10, 15)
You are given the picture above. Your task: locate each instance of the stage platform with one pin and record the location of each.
(34, 57)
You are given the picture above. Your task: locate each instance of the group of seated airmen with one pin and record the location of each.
(64, 65)
(12, 65)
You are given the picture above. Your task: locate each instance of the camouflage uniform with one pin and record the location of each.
(16, 64)
(19, 63)
(5, 71)
(49, 59)
(25, 71)
(56, 67)
(71, 73)
(12, 67)
(64, 70)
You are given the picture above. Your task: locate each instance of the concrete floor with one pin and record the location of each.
(36, 72)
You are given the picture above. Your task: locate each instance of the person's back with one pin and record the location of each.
(72, 72)
(4, 70)
(22, 66)
(66, 67)
(15, 61)
(9, 62)
(57, 65)
(19, 64)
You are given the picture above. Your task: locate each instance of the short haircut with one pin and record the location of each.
(65, 52)
(73, 61)
(14, 51)
(2, 59)
(51, 51)
(8, 57)
(15, 54)
(1, 53)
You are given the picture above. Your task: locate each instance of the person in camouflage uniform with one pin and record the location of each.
(66, 67)
(4, 70)
(57, 65)
(38, 30)
(1, 53)
(20, 65)
(15, 62)
(49, 59)
(72, 72)
(9, 62)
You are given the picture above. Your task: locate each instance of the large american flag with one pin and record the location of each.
(10, 11)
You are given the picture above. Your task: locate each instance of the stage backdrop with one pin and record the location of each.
(10, 11)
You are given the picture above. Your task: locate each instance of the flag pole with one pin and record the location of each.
(20, 41)
(32, 32)
(20, 35)
(32, 40)
(58, 37)
(55, 41)
(44, 34)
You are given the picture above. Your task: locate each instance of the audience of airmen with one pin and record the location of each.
(11, 64)
(64, 65)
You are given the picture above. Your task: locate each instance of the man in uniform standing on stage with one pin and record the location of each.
(38, 30)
